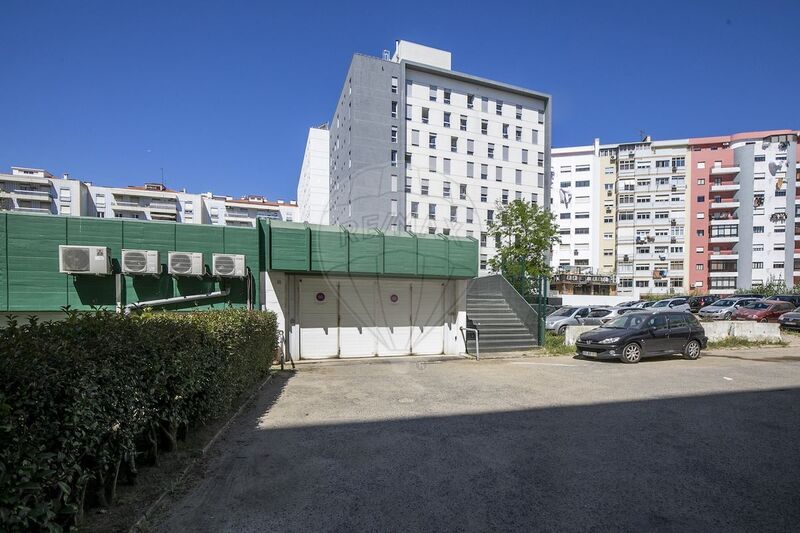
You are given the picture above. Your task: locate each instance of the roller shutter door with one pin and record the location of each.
(318, 310)
(427, 306)
(393, 316)
(357, 317)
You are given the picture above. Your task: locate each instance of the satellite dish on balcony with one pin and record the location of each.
(566, 197)
(773, 168)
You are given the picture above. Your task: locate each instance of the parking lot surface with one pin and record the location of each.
(531, 443)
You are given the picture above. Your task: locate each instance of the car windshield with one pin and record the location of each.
(757, 305)
(662, 303)
(564, 311)
(723, 303)
(598, 313)
(627, 321)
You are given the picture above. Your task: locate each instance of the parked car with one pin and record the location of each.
(672, 304)
(791, 298)
(644, 334)
(754, 295)
(762, 311)
(630, 303)
(599, 316)
(643, 304)
(698, 302)
(723, 309)
(790, 320)
(566, 316)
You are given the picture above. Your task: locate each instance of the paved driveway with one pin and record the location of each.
(545, 444)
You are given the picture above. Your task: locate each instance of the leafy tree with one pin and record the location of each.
(527, 235)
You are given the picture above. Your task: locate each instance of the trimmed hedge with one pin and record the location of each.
(83, 399)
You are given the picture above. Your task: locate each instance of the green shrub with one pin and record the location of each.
(81, 399)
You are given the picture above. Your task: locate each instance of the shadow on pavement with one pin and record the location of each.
(713, 462)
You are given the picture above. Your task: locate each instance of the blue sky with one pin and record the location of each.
(221, 94)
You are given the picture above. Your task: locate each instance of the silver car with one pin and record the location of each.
(599, 316)
(672, 304)
(724, 308)
(566, 316)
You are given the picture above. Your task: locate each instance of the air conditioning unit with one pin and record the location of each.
(84, 260)
(228, 265)
(141, 262)
(186, 264)
(673, 222)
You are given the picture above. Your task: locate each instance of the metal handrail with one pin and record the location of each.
(477, 343)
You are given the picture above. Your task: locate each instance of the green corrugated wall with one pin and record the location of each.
(289, 246)
(328, 248)
(34, 282)
(366, 251)
(30, 281)
(3, 265)
(400, 254)
(432, 256)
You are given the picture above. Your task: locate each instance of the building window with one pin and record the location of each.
(446, 122)
(541, 117)
(431, 140)
(432, 93)
(414, 137)
(484, 104)
(498, 107)
(484, 127)
(394, 208)
(778, 264)
(524, 156)
(505, 131)
(424, 186)
(540, 159)
(393, 136)
(446, 167)
(394, 158)
(518, 134)
(565, 216)
(431, 211)
(483, 260)
(425, 115)
(470, 101)
(535, 136)
(394, 109)
(414, 209)
(453, 213)
(504, 197)
(463, 125)
(582, 183)
(394, 182)
(517, 177)
(758, 229)
(454, 144)
(446, 96)
(432, 163)
(446, 189)
(505, 153)
(408, 184)
(519, 112)
(490, 216)
(484, 172)
(470, 146)
(470, 212)
(462, 192)
(490, 151)
(470, 169)
(498, 173)
(484, 194)
(408, 111)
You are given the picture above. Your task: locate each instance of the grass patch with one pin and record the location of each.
(738, 342)
(554, 345)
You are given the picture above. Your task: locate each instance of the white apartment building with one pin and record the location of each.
(313, 187)
(33, 190)
(245, 211)
(419, 146)
(153, 201)
(651, 217)
(577, 207)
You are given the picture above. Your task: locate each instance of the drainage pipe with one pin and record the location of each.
(177, 299)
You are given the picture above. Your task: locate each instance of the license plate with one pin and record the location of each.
(586, 352)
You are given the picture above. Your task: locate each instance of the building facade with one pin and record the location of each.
(152, 201)
(33, 190)
(313, 187)
(415, 145)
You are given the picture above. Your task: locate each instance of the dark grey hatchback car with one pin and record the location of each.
(644, 334)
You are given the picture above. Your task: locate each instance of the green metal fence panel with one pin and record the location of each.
(207, 240)
(399, 253)
(462, 254)
(244, 241)
(3, 264)
(86, 292)
(328, 248)
(160, 236)
(432, 258)
(366, 251)
(34, 282)
(290, 244)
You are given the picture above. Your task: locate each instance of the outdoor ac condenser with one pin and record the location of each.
(186, 264)
(228, 265)
(94, 260)
(141, 262)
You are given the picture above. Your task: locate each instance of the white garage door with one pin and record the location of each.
(427, 307)
(318, 311)
(393, 317)
(357, 317)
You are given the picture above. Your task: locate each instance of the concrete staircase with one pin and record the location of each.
(500, 328)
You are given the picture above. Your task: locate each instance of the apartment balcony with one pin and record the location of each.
(164, 207)
(626, 223)
(727, 186)
(239, 217)
(721, 220)
(724, 239)
(249, 223)
(39, 210)
(724, 204)
(723, 171)
(723, 255)
(126, 205)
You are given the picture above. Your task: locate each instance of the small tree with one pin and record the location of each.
(527, 235)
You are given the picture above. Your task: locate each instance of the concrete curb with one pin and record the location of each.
(156, 504)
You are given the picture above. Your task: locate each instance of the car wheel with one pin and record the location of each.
(727, 316)
(763, 321)
(692, 350)
(562, 330)
(631, 353)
